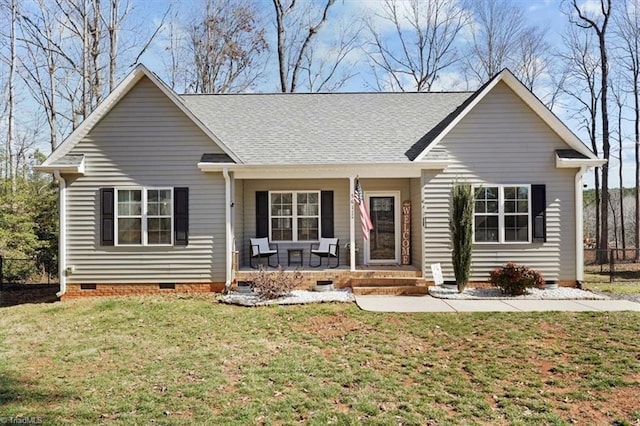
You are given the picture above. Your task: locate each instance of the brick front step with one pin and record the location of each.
(396, 290)
(398, 285)
(386, 282)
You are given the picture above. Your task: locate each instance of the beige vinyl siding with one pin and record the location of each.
(341, 199)
(146, 141)
(502, 141)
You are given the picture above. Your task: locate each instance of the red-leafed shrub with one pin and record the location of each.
(514, 279)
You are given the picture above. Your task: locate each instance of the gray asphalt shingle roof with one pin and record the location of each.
(324, 128)
(69, 160)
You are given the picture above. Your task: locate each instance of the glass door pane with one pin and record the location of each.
(382, 242)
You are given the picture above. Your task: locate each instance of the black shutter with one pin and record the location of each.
(262, 214)
(106, 217)
(180, 216)
(539, 212)
(326, 206)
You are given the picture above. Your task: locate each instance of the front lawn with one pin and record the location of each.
(180, 360)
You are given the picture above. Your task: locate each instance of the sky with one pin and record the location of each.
(541, 12)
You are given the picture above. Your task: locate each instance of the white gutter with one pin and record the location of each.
(62, 233)
(228, 236)
(324, 171)
(569, 163)
(579, 228)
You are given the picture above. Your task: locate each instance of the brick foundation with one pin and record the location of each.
(74, 290)
(341, 278)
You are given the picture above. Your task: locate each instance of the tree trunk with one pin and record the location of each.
(11, 101)
(636, 106)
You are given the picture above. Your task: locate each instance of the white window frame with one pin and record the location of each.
(294, 216)
(501, 213)
(144, 216)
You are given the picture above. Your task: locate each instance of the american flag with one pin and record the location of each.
(365, 219)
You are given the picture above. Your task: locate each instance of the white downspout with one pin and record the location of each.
(228, 236)
(62, 233)
(579, 228)
(352, 225)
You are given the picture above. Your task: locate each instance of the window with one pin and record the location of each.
(502, 214)
(144, 216)
(295, 216)
(159, 216)
(129, 216)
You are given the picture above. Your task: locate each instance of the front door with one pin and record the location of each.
(384, 241)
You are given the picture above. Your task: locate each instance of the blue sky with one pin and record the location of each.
(146, 15)
(546, 13)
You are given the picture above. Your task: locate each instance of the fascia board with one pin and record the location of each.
(326, 171)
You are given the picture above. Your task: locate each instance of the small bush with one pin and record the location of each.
(271, 285)
(514, 279)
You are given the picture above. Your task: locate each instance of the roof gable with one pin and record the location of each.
(121, 91)
(432, 138)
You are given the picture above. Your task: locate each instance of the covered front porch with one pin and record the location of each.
(296, 206)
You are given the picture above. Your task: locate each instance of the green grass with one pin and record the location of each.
(615, 287)
(180, 360)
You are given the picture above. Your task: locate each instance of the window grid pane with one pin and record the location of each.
(159, 231)
(307, 229)
(281, 229)
(155, 214)
(507, 209)
(486, 228)
(295, 216)
(129, 231)
(129, 213)
(159, 210)
(516, 228)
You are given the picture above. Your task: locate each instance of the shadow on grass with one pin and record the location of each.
(25, 393)
(19, 294)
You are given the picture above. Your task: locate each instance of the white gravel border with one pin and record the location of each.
(296, 297)
(560, 293)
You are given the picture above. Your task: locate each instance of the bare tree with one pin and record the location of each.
(598, 23)
(502, 38)
(579, 83)
(44, 58)
(10, 168)
(297, 29)
(531, 62)
(176, 54)
(628, 28)
(423, 43)
(620, 100)
(226, 44)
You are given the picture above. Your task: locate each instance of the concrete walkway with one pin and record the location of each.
(432, 304)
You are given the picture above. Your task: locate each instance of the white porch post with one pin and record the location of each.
(352, 225)
(579, 227)
(228, 230)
